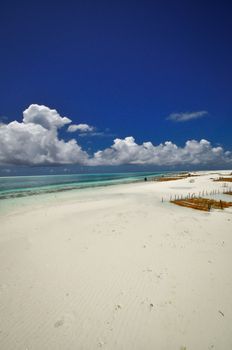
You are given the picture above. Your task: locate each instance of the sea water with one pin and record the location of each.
(22, 186)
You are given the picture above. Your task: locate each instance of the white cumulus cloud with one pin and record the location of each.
(183, 117)
(81, 128)
(44, 116)
(127, 151)
(35, 140)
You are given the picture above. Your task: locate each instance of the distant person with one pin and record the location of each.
(145, 179)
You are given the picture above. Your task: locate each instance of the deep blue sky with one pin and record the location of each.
(122, 65)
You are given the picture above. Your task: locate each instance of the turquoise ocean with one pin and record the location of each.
(22, 186)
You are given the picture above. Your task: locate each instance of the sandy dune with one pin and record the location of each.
(115, 268)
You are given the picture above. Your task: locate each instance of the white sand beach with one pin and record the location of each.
(116, 268)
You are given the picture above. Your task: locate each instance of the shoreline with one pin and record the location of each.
(74, 194)
(55, 189)
(74, 185)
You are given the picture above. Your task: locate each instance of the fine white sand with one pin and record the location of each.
(116, 268)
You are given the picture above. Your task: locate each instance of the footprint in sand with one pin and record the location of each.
(148, 304)
(118, 307)
(101, 344)
(59, 323)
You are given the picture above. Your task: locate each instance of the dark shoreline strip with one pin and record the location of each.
(28, 193)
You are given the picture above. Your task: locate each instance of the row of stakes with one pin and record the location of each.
(200, 194)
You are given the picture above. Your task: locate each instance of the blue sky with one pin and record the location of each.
(122, 67)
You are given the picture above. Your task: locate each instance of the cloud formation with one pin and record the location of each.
(88, 130)
(97, 134)
(44, 116)
(127, 151)
(35, 141)
(186, 116)
(83, 128)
